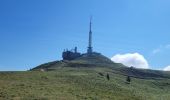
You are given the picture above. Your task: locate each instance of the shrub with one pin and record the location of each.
(101, 74)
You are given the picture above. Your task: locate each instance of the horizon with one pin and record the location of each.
(135, 33)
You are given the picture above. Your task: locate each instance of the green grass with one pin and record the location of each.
(82, 83)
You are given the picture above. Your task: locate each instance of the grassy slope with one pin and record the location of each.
(80, 83)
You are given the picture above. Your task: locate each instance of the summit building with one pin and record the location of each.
(73, 54)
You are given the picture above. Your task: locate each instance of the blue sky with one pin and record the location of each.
(33, 32)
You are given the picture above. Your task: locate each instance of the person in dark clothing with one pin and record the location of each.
(128, 79)
(108, 77)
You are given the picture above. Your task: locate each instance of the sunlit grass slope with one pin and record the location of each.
(70, 83)
(85, 79)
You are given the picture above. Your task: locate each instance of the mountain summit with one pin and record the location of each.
(97, 60)
(85, 60)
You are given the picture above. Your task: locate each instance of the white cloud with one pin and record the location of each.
(131, 59)
(167, 68)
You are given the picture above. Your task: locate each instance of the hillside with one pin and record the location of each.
(98, 60)
(84, 83)
(85, 79)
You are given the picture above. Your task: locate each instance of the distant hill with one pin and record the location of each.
(98, 60)
(91, 61)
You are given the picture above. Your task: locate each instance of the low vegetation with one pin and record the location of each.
(68, 83)
(87, 78)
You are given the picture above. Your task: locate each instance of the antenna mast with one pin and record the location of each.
(89, 50)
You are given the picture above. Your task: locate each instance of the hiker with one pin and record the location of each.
(108, 77)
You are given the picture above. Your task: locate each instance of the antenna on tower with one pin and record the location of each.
(91, 22)
(89, 50)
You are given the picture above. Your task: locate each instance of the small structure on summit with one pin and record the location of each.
(73, 54)
(70, 54)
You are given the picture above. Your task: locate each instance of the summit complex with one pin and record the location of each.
(73, 53)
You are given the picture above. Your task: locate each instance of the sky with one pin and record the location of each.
(33, 32)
